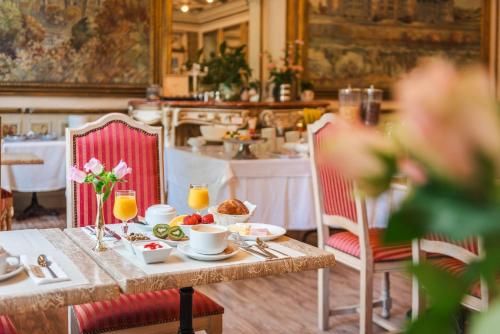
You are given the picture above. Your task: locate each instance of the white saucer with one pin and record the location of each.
(185, 249)
(11, 272)
(276, 232)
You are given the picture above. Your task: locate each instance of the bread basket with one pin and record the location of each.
(225, 220)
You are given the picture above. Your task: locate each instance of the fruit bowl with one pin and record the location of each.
(215, 132)
(226, 220)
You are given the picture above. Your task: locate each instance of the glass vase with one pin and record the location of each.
(100, 224)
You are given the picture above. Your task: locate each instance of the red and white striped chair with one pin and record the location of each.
(338, 205)
(109, 139)
(456, 255)
(6, 325)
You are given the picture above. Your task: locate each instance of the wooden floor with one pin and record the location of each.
(284, 304)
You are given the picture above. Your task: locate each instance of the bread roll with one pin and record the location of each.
(232, 207)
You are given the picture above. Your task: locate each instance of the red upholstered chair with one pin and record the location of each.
(456, 255)
(338, 205)
(109, 139)
(6, 325)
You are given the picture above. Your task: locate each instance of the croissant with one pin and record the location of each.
(232, 207)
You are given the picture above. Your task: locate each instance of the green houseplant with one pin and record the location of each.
(227, 71)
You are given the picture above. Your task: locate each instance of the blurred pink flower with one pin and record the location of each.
(299, 42)
(413, 171)
(355, 151)
(121, 170)
(94, 166)
(76, 175)
(447, 118)
(271, 66)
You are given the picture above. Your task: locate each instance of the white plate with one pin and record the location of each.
(185, 249)
(11, 272)
(276, 232)
(173, 243)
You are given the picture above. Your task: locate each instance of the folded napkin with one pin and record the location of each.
(34, 270)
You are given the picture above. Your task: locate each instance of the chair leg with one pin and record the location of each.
(417, 294)
(366, 300)
(215, 324)
(72, 322)
(386, 296)
(323, 298)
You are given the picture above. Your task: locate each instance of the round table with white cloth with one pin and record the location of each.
(281, 188)
(49, 176)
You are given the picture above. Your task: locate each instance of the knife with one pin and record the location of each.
(113, 233)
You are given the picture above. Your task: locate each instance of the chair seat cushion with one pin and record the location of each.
(457, 268)
(138, 310)
(6, 325)
(348, 242)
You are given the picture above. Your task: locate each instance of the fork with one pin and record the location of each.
(262, 244)
(247, 247)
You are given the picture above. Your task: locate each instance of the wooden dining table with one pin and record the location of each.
(184, 273)
(22, 298)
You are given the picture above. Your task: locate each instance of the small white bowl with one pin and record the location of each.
(226, 220)
(215, 132)
(160, 214)
(152, 256)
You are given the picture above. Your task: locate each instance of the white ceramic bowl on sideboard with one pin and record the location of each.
(216, 132)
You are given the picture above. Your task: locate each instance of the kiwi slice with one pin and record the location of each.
(161, 231)
(176, 233)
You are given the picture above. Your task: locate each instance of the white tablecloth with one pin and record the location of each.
(281, 188)
(35, 178)
(32, 243)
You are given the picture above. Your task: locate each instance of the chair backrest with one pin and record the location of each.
(112, 138)
(337, 203)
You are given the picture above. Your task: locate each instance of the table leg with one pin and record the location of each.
(35, 210)
(186, 311)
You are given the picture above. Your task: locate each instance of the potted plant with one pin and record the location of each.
(288, 70)
(306, 91)
(227, 71)
(447, 144)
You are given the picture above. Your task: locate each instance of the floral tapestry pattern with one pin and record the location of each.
(75, 41)
(364, 42)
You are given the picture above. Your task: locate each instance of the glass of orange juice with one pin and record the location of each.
(125, 207)
(198, 197)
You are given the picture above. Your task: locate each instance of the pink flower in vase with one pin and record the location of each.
(77, 175)
(94, 166)
(121, 170)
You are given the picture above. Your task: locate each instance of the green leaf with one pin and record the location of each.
(445, 290)
(223, 47)
(487, 322)
(98, 185)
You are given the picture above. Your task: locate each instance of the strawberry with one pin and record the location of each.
(189, 220)
(208, 219)
(197, 217)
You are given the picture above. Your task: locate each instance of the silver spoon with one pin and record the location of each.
(43, 261)
(262, 244)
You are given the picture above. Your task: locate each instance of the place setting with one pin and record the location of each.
(219, 234)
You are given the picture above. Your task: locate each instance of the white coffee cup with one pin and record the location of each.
(4, 257)
(208, 238)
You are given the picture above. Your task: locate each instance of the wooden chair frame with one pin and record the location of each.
(423, 246)
(211, 324)
(364, 264)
